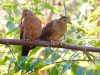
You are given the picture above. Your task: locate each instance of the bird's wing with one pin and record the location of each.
(47, 31)
(21, 30)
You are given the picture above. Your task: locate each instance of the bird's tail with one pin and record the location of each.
(26, 49)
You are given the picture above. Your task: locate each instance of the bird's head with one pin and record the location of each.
(26, 12)
(64, 19)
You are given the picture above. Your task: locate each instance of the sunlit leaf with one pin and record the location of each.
(48, 6)
(15, 30)
(36, 1)
(47, 67)
(73, 69)
(6, 58)
(10, 5)
(94, 13)
(33, 51)
(96, 66)
(83, 30)
(38, 12)
(54, 71)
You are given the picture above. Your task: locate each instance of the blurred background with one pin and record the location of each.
(85, 29)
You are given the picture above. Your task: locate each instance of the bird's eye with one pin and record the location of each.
(64, 20)
(25, 14)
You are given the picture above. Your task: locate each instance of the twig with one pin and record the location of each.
(87, 54)
(56, 66)
(59, 62)
(9, 68)
(64, 7)
(14, 56)
(71, 60)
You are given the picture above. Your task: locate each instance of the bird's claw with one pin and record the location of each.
(26, 39)
(53, 42)
(56, 42)
(35, 41)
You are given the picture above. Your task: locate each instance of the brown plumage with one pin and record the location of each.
(30, 28)
(55, 29)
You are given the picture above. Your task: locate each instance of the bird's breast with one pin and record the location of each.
(32, 28)
(58, 34)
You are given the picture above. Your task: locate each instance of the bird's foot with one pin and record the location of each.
(34, 41)
(27, 39)
(52, 42)
(59, 42)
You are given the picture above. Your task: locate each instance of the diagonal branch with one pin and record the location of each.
(46, 44)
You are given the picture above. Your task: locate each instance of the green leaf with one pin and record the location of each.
(15, 31)
(33, 64)
(10, 25)
(73, 69)
(48, 6)
(21, 62)
(36, 1)
(47, 53)
(54, 56)
(70, 31)
(33, 51)
(10, 5)
(4, 60)
(69, 40)
(47, 67)
(48, 61)
(94, 13)
(65, 67)
(13, 59)
(98, 72)
(80, 70)
(38, 12)
(90, 72)
(83, 30)
(54, 71)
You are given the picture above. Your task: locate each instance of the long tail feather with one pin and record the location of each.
(25, 50)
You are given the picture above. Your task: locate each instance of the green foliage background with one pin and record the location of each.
(56, 61)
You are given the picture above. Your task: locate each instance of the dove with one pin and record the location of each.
(30, 29)
(55, 29)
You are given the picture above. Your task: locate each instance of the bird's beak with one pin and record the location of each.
(69, 22)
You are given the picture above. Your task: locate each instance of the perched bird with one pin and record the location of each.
(30, 29)
(55, 29)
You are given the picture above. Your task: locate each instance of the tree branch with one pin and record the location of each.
(47, 43)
